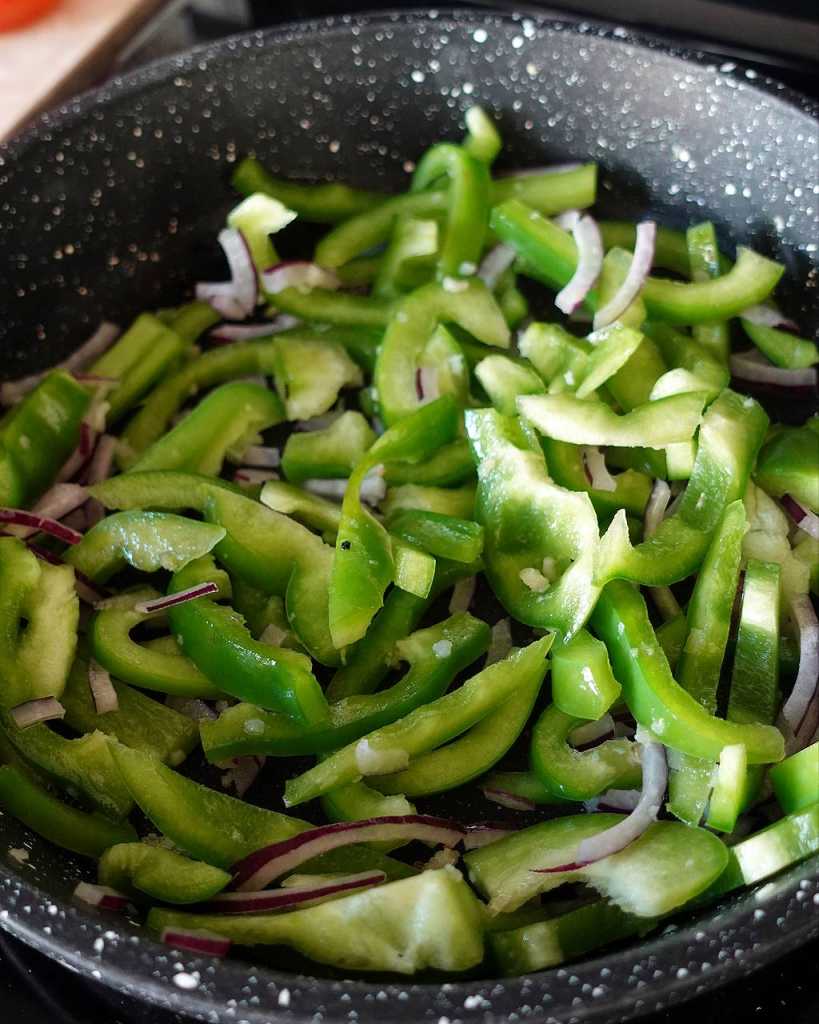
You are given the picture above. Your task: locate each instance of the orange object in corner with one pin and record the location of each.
(16, 13)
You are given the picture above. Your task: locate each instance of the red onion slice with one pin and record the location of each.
(43, 709)
(222, 297)
(504, 798)
(191, 707)
(39, 524)
(298, 274)
(159, 604)
(261, 457)
(753, 367)
(57, 502)
(498, 260)
(463, 594)
(102, 689)
(800, 709)
(106, 334)
(101, 896)
(426, 384)
(638, 271)
(317, 422)
(196, 941)
(242, 773)
(102, 462)
(803, 517)
(619, 836)
(247, 476)
(500, 642)
(240, 332)
(258, 869)
(589, 244)
(483, 833)
(597, 470)
(291, 896)
(767, 316)
(591, 734)
(656, 507)
(614, 800)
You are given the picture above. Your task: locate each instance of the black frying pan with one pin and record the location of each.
(110, 205)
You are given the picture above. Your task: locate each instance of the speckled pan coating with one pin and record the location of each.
(110, 204)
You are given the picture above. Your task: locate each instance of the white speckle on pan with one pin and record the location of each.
(185, 980)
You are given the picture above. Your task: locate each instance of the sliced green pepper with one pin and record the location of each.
(482, 139)
(796, 780)
(413, 569)
(754, 694)
(310, 372)
(781, 347)
(342, 309)
(670, 247)
(412, 248)
(583, 684)
(258, 217)
(789, 464)
(566, 466)
(310, 509)
(459, 540)
(446, 501)
(331, 452)
(659, 703)
(160, 873)
(90, 835)
(504, 380)
(450, 465)
(704, 258)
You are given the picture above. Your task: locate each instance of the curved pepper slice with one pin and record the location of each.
(468, 213)
(310, 372)
(138, 722)
(580, 774)
(163, 874)
(583, 684)
(474, 753)
(504, 379)
(410, 253)
(447, 501)
(430, 921)
(459, 540)
(216, 639)
(358, 801)
(730, 435)
(342, 309)
(789, 464)
(38, 436)
(781, 347)
(328, 453)
(527, 519)
(450, 465)
(469, 304)
(90, 835)
(422, 730)
(313, 511)
(551, 254)
(670, 248)
(39, 616)
(566, 465)
(435, 656)
(655, 699)
(225, 421)
(140, 664)
(482, 139)
(148, 541)
(796, 779)
(705, 260)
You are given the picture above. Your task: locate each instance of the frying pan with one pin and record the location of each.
(109, 206)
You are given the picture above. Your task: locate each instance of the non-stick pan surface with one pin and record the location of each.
(110, 206)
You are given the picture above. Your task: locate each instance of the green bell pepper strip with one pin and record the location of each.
(666, 867)
(149, 541)
(162, 874)
(413, 247)
(328, 453)
(731, 432)
(138, 722)
(460, 540)
(413, 569)
(788, 463)
(796, 780)
(550, 254)
(83, 765)
(435, 656)
(781, 347)
(325, 203)
(656, 700)
(704, 259)
(708, 624)
(219, 829)
(369, 662)
(260, 611)
(523, 784)
(216, 639)
(527, 519)
(39, 618)
(564, 938)
(216, 366)
(468, 210)
(474, 753)
(751, 860)
(443, 354)
(504, 380)
(671, 636)
(670, 247)
(558, 356)
(424, 729)
(225, 422)
(686, 353)
(258, 217)
(191, 320)
(358, 801)
(655, 424)
(482, 139)
(580, 774)
(451, 465)
(89, 835)
(137, 663)
(754, 695)
(311, 510)
(583, 684)
(430, 921)
(342, 309)
(728, 793)
(447, 501)
(141, 357)
(548, 193)
(806, 551)
(513, 303)
(38, 436)
(309, 374)
(471, 306)
(566, 467)
(614, 347)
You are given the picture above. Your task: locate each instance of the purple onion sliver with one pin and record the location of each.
(203, 942)
(796, 712)
(753, 367)
(589, 244)
(279, 899)
(42, 709)
(42, 524)
(101, 896)
(804, 518)
(504, 798)
(638, 271)
(159, 604)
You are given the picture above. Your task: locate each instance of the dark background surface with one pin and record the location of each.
(34, 989)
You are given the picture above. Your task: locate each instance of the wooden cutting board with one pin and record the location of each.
(63, 53)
